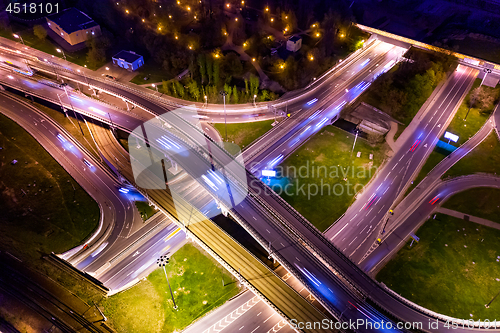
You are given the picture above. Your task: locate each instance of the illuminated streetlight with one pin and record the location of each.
(169, 16)
(162, 262)
(189, 8)
(282, 66)
(342, 35)
(126, 11)
(254, 97)
(272, 19)
(227, 5)
(107, 68)
(267, 9)
(61, 51)
(190, 47)
(244, 44)
(19, 37)
(311, 58)
(242, 2)
(317, 34)
(154, 86)
(176, 37)
(236, 19)
(159, 28)
(253, 59)
(142, 20)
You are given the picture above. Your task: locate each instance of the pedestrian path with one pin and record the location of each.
(471, 218)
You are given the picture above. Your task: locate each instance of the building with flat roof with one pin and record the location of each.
(73, 26)
(128, 60)
(294, 43)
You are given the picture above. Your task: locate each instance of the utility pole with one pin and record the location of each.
(223, 93)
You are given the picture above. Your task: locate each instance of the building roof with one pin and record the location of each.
(71, 20)
(128, 56)
(295, 38)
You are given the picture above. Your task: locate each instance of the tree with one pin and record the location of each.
(209, 64)
(193, 89)
(481, 99)
(203, 68)
(264, 96)
(216, 72)
(228, 90)
(39, 31)
(235, 95)
(165, 87)
(254, 85)
(179, 87)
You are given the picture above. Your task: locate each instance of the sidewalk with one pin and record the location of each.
(471, 218)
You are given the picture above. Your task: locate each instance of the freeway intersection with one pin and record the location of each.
(333, 280)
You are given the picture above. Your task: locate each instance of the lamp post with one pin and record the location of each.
(21, 38)
(61, 51)
(154, 86)
(162, 262)
(223, 93)
(206, 101)
(254, 97)
(488, 305)
(355, 138)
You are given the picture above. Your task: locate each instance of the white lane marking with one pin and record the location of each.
(339, 231)
(269, 317)
(401, 158)
(353, 217)
(255, 329)
(353, 240)
(235, 314)
(387, 176)
(395, 165)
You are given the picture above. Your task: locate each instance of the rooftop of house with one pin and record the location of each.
(71, 20)
(128, 56)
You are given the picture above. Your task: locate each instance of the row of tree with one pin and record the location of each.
(189, 89)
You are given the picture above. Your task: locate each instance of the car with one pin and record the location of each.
(109, 76)
(87, 163)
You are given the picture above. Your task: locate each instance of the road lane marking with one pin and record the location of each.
(339, 231)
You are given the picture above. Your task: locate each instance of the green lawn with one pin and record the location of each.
(475, 118)
(197, 285)
(244, 134)
(145, 209)
(329, 150)
(49, 215)
(434, 158)
(443, 275)
(153, 71)
(484, 158)
(485, 203)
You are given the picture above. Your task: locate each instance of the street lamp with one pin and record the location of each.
(254, 97)
(162, 262)
(206, 100)
(154, 86)
(61, 51)
(223, 93)
(19, 37)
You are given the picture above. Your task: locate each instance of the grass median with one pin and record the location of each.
(474, 117)
(321, 178)
(43, 209)
(244, 134)
(453, 269)
(484, 158)
(196, 282)
(485, 204)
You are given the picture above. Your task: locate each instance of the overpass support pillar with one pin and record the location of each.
(223, 209)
